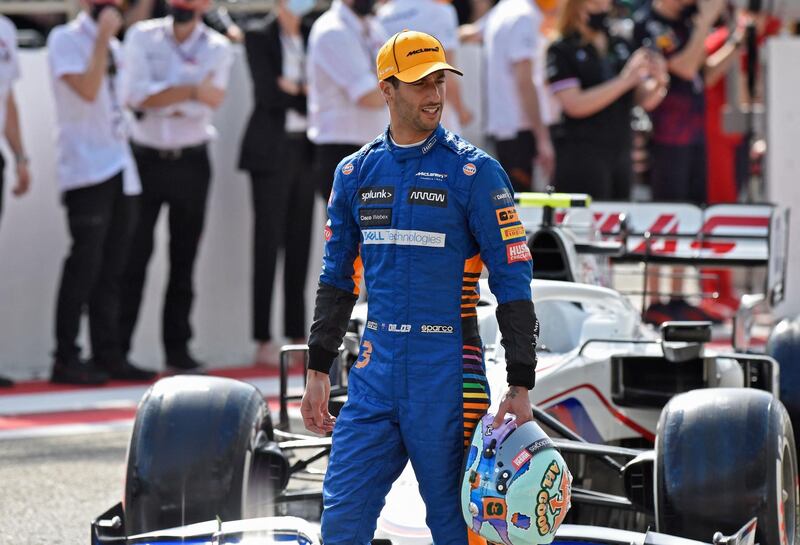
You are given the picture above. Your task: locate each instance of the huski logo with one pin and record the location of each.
(428, 197)
(402, 237)
(376, 195)
(372, 325)
(518, 252)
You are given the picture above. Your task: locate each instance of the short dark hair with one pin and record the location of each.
(394, 81)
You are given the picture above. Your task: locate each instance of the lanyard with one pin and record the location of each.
(189, 57)
(295, 48)
(5, 51)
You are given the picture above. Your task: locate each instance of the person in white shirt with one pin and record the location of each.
(99, 184)
(9, 119)
(511, 39)
(345, 106)
(178, 70)
(439, 19)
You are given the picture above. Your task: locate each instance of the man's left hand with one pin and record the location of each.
(516, 402)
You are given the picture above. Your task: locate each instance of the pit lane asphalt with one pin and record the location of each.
(52, 487)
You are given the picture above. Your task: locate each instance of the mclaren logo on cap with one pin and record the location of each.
(422, 50)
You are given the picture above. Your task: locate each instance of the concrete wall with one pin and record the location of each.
(783, 152)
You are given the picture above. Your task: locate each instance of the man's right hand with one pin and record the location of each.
(109, 23)
(314, 408)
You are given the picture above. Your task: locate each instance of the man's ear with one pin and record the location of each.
(387, 90)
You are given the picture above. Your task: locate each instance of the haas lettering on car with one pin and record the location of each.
(608, 224)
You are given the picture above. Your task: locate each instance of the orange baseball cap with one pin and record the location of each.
(410, 56)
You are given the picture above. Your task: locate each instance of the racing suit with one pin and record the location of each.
(423, 220)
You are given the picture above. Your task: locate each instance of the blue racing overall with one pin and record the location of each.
(423, 220)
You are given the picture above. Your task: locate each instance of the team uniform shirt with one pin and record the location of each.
(156, 62)
(340, 70)
(431, 17)
(680, 118)
(572, 63)
(511, 34)
(9, 65)
(92, 136)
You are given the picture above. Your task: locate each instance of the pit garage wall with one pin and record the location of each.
(783, 153)
(33, 239)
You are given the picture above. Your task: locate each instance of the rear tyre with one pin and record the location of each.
(724, 456)
(192, 451)
(784, 346)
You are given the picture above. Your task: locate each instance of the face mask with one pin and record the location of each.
(598, 21)
(363, 7)
(97, 9)
(181, 15)
(689, 11)
(300, 7)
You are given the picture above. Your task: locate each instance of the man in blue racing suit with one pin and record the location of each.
(423, 210)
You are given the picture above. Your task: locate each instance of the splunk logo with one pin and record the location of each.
(403, 237)
(428, 197)
(376, 195)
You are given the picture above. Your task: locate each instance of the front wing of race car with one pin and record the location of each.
(296, 531)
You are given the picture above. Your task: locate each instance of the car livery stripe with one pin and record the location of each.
(628, 422)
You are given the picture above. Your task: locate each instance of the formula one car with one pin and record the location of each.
(658, 430)
(206, 466)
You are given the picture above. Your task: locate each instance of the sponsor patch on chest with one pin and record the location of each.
(402, 237)
(374, 217)
(428, 197)
(376, 195)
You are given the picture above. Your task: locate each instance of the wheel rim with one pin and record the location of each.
(789, 495)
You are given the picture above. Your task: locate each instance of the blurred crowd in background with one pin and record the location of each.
(618, 99)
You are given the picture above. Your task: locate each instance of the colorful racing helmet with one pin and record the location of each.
(516, 486)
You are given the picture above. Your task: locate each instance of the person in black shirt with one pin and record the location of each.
(597, 78)
(678, 29)
(277, 154)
